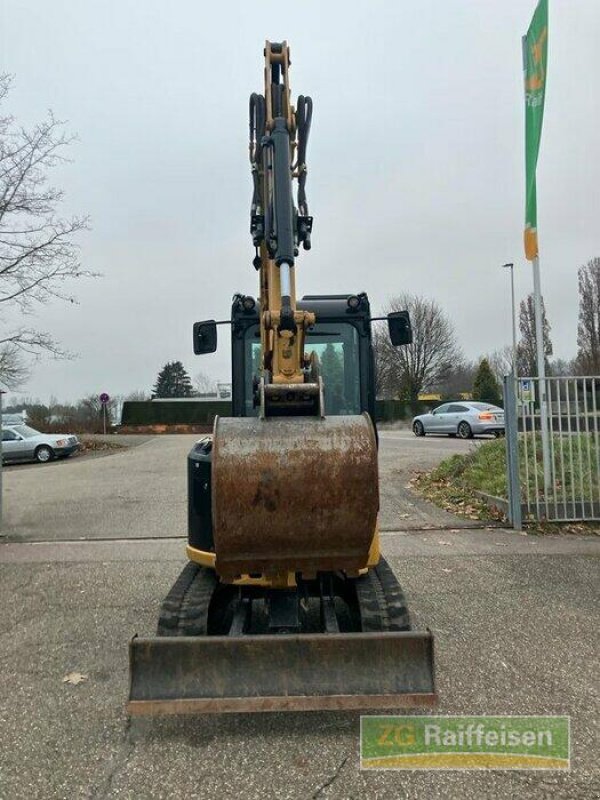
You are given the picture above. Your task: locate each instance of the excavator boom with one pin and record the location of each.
(278, 139)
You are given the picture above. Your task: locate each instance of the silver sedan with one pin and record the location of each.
(462, 419)
(22, 443)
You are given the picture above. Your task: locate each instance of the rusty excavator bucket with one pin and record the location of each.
(307, 672)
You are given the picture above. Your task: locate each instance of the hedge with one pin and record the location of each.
(153, 412)
(390, 410)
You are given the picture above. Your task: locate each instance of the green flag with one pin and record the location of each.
(535, 52)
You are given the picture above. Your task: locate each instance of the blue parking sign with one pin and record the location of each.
(526, 391)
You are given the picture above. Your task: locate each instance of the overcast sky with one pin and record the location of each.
(416, 165)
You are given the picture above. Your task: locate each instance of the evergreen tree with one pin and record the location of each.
(485, 385)
(332, 364)
(332, 372)
(256, 360)
(173, 381)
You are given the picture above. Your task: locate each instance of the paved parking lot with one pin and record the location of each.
(515, 620)
(141, 491)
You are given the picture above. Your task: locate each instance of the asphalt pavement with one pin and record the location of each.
(514, 616)
(140, 492)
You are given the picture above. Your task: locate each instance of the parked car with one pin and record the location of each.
(13, 419)
(22, 443)
(462, 419)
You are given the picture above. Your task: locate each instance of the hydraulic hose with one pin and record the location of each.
(303, 122)
(258, 114)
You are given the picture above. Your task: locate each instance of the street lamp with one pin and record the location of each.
(514, 319)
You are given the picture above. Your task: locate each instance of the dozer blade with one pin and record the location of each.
(281, 672)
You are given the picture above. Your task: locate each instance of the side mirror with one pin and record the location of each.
(399, 328)
(205, 337)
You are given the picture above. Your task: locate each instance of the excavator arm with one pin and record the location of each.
(278, 139)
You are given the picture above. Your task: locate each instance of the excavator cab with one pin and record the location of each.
(340, 340)
(286, 602)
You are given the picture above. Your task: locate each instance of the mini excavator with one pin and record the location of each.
(286, 602)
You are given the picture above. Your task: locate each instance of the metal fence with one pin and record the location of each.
(553, 473)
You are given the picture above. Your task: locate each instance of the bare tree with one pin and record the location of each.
(380, 344)
(527, 347)
(588, 328)
(138, 395)
(501, 362)
(562, 367)
(86, 415)
(38, 253)
(459, 379)
(13, 370)
(204, 384)
(423, 365)
(90, 411)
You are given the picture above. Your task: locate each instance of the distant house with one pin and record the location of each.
(198, 397)
(438, 397)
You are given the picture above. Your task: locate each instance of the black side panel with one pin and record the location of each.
(240, 322)
(200, 530)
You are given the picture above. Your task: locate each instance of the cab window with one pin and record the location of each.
(336, 346)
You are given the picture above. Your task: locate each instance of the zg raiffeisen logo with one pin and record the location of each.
(535, 81)
(388, 742)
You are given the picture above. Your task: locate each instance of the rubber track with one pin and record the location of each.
(184, 611)
(381, 601)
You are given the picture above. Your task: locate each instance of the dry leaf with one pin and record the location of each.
(441, 541)
(74, 678)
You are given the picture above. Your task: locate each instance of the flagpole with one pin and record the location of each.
(535, 55)
(541, 365)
